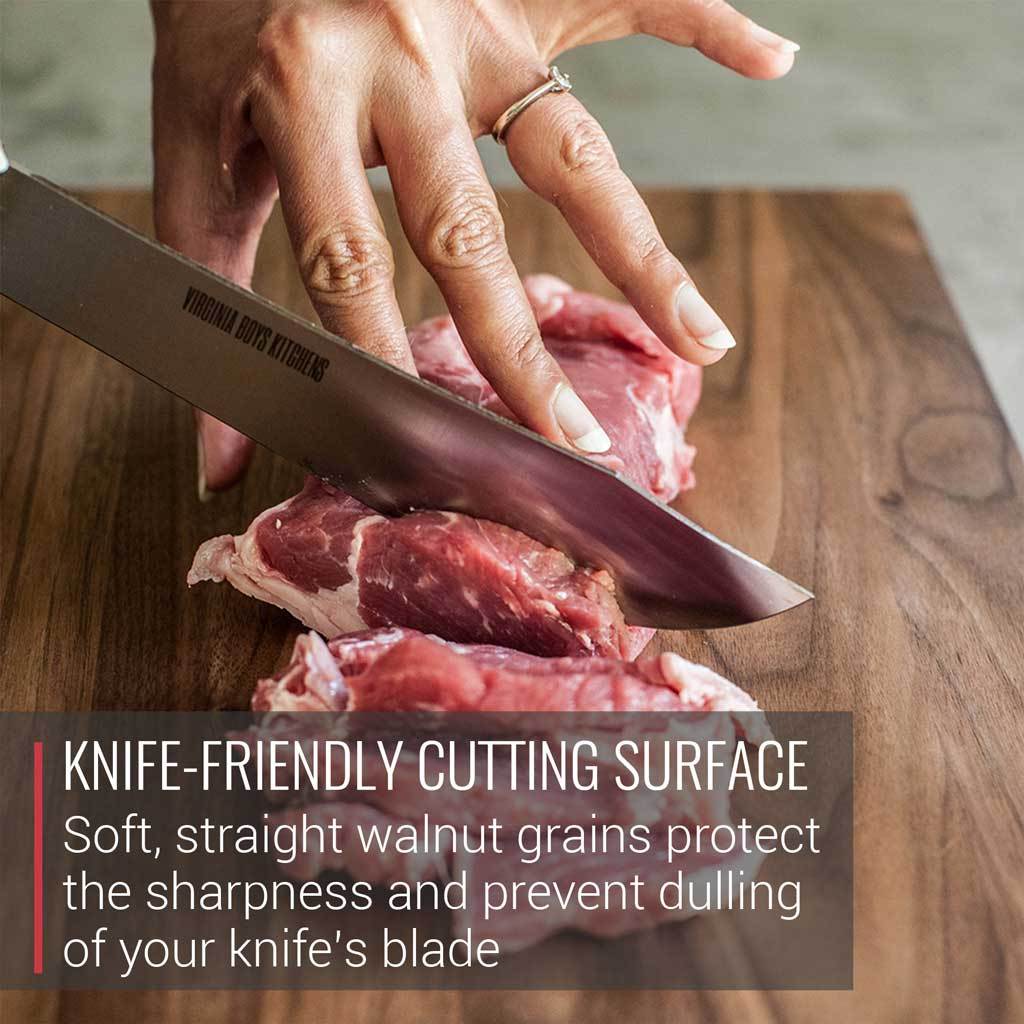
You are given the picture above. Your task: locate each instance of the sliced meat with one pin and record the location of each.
(338, 566)
(396, 671)
(642, 393)
(402, 670)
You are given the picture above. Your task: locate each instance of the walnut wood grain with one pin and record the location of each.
(850, 440)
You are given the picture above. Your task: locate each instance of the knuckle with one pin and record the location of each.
(526, 351)
(652, 254)
(583, 148)
(344, 265)
(713, 24)
(288, 41)
(466, 232)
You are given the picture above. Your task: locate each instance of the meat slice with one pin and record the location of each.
(400, 670)
(403, 670)
(642, 393)
(338, 566)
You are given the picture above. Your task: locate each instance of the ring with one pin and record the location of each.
(557, 82)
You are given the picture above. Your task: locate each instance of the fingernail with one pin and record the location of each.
(701, 320)
(772, 39)
(578, 423)
(720, 340)
(204, 493)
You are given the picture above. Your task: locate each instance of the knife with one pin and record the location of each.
(394, 442)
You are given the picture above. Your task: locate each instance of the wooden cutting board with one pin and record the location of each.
(850, 441)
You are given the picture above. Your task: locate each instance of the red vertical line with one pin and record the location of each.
(37, 867)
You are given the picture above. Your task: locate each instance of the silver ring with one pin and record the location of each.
(557, 82)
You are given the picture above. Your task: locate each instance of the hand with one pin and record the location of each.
(299, 96)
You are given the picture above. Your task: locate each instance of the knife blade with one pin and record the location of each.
(394, 442)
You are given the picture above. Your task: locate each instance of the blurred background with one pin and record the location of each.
(922, 95)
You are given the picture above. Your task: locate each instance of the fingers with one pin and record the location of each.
(450, 215)
(563, 155)
(719, 32)
(222, 455)
(198, 211)
(337, 234)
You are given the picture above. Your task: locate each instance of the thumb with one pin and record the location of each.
(222, 455)
(208, 218)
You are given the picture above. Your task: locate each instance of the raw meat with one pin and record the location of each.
(643, 394)
(403, 670)
(400, 670)
(338, 566)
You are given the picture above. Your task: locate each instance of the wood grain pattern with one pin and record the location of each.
(850, 440)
